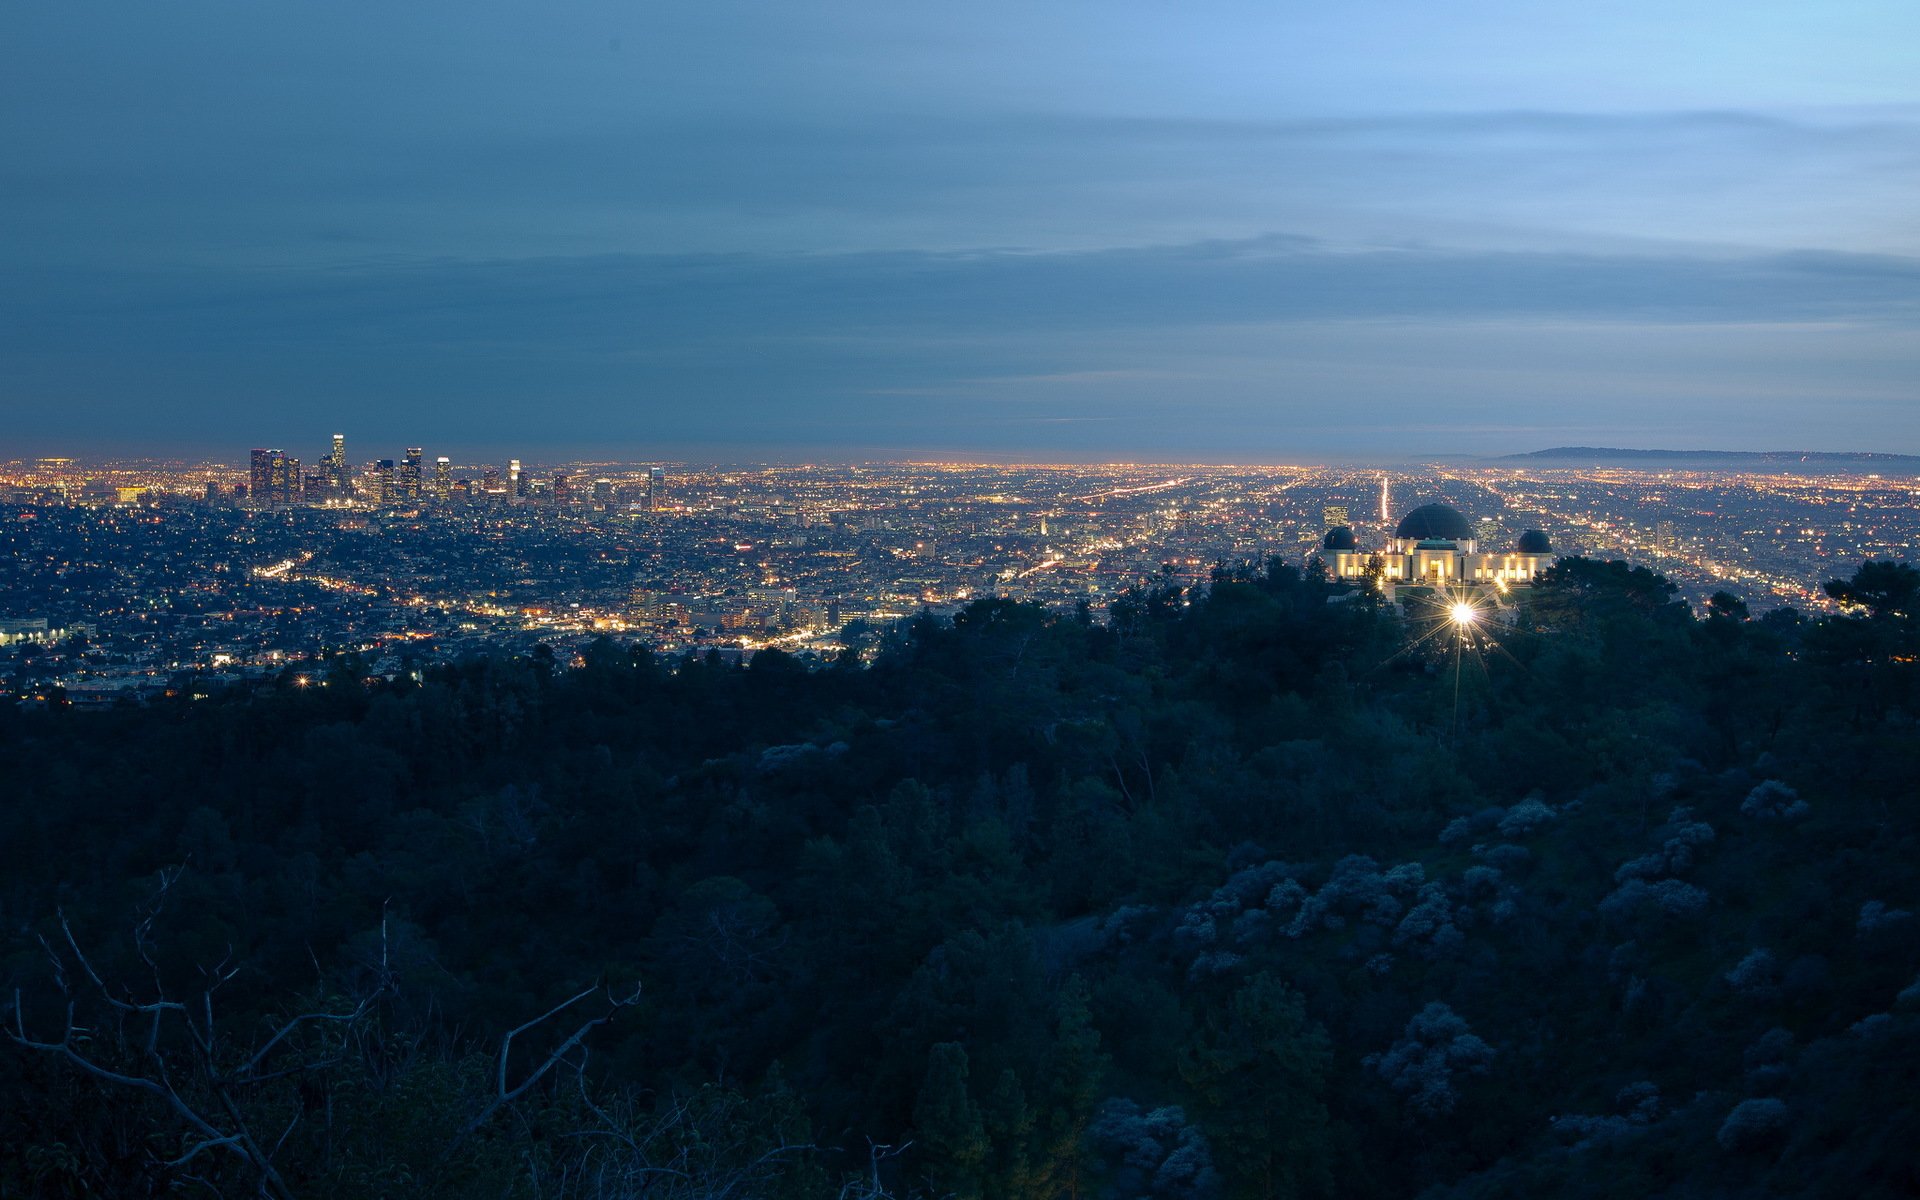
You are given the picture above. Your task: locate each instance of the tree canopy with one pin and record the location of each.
(1256, 889)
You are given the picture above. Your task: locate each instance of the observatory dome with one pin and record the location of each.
(1434, 523)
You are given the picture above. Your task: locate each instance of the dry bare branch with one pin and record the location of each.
(504, 1095)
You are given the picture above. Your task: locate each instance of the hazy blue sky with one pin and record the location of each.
(1152, 230)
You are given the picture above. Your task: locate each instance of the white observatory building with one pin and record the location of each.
(1434, 547)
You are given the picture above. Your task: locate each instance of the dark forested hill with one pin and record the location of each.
(1256, 891)
(1782, 460)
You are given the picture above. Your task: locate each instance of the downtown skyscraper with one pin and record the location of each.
(410, 476)
(273, 478)
(339, 475)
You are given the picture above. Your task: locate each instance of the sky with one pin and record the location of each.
(829, 229)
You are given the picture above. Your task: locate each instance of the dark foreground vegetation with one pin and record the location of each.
(1239, 896)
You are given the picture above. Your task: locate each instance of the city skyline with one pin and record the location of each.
(470, 455)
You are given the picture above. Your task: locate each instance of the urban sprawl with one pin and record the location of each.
(123, 580)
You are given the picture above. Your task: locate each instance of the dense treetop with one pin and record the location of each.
(1255, 890)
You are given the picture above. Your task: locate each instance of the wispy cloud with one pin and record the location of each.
(792, 341)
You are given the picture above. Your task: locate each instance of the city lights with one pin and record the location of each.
(165, 567)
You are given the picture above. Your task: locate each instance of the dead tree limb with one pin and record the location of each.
(503, 1095)
(202, 1093)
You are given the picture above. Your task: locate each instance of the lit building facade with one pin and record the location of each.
(274, 479)
(1435, 546)
(260, 476)
(39, 631)
(410, 472)
(339, 472)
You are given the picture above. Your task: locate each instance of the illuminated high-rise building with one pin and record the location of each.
(516, 482)
(338, 474)
(643, 601)
(282, 479)
(442, 480)
(383, 486)
(562, 489)
(260, 480)
(656, 489)
(603, 493)
(409, 475)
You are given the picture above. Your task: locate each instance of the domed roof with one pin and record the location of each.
(1434, 523)
(1533, 541)
(1340, 537)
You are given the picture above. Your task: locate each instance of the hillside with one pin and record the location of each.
(1764, 460)
(1255, 891)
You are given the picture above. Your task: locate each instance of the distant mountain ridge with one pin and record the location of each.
(1857, 458)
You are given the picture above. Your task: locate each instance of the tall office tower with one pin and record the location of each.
(516, 482)
(491, 489)
(562, 489)
(603, 493)
(283, 485)
(1333, 516)
(213, 491)
(442, 480)
(339, 474)
(656, 489)
(383, 487)
(410, 476)
(260, 482)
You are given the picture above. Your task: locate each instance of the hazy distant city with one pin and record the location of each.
(131, 578)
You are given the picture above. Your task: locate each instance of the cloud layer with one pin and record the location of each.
(1010, 229)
